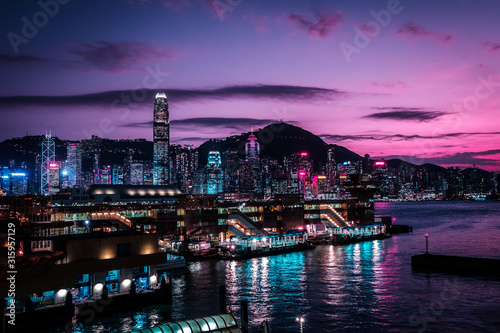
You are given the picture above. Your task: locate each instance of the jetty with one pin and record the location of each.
(456, 264)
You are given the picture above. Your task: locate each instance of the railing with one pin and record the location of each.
(329, 211)
(112, 216)
(243, 221)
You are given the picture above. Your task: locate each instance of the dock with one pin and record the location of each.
(456, 264)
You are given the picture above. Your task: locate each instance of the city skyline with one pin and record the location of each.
(392, 79)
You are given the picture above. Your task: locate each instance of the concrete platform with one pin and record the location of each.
(456, 264)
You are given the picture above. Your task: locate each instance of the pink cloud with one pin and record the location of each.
(492, 46)
(260, 23)
(412, 30)
(390, 84)
(321, 26)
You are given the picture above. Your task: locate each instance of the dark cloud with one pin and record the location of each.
(466, 158)
(492, 46)
(117, 57)
(413, 30)
(210, 122)
(368, 29)
(192, 139)
(321, 26)
(21, 59)
(145, 97)
(412, 114)
(399, 137)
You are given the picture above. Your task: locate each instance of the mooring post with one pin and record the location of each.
(28, 310)
(169, 289)
(133, 295)
(69, 306)
(222, 300)
(244, 316)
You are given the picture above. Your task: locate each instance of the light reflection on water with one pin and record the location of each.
(364, 287)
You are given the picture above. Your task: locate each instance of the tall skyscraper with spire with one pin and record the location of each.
(48, 163)
(161, 141)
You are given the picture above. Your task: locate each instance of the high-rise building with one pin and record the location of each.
(230, 167)
(48, 158)
(367, 164)
(214, 173)
(105, 175)
(252, 151)
(117, 174)
(184, 162)
(96, 162)
(136, 174)
(331, 167)
(13, 182)
(74, 164)
(54, 170)
(161, 141)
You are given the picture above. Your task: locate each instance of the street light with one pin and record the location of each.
(426, 243)
(301, 320)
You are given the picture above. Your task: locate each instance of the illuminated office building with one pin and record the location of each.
(74, 165)
(214, 173)
(54, 170)
(161, 163)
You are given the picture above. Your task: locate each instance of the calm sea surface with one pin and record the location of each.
(365, 287)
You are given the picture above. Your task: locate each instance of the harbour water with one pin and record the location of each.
(364, 287)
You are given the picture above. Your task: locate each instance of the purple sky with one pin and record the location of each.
(418, 80)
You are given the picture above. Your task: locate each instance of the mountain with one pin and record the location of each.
(280, 140)
(400, 164)
(410, 167)
(476, 173)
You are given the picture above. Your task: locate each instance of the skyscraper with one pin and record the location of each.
(48, 158)
(74, 164)
(54, 170)
(96, 162)
(252, 151)
(161, 141)
(136, 173)
(214, 175)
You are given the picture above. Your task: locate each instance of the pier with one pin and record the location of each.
(456, 264)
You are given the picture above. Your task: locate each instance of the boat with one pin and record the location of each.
(172, 262)
(252, 247)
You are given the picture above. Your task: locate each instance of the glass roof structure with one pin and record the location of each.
(220, 323)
